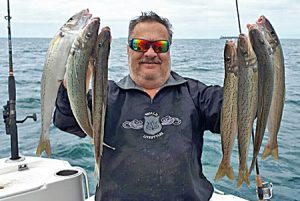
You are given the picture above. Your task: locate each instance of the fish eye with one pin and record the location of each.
(273, 33)
(227, 59)
(88, 35)
(70, 19)
(61, 34)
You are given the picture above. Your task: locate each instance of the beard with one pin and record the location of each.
(151, 76)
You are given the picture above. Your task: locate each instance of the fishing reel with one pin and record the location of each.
(6, 117)
(265, 192)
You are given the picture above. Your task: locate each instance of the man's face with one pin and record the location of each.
(149, 70)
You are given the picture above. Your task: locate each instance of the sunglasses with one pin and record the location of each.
(142, 45)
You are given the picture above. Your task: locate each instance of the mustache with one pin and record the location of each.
(150, 61)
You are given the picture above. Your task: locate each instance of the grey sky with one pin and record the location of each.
(190, 18)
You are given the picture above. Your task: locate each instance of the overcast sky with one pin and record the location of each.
(190, 18)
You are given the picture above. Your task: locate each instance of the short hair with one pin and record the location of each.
(150, 17)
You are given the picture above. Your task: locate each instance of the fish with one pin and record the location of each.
(263, 54)
(100, 91)
(54, 71)
(277, 104)
(228, 124)
(246, 102)
(77, 66)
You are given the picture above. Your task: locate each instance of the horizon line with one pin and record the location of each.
(37, 37)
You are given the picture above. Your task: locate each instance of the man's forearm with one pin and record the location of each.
(63, 117)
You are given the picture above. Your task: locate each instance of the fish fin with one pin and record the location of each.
(44, 145)
(97, 168)
(96, 171)
(224, 170)
(275, 153)
(220, 173)
(243, 177)
(269, 151)
(230, 173)
(108, 146)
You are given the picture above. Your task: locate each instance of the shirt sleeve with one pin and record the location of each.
(210, 101)
(63, 117)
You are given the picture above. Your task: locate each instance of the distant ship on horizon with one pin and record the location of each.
(228, 37)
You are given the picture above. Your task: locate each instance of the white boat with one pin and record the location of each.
(35, 179)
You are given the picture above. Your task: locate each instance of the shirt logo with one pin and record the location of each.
(152, 124)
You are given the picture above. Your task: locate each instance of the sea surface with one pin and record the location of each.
(196, 58)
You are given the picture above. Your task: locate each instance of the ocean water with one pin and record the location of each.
(197, 58)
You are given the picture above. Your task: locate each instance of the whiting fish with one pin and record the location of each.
(278, 98)
(77, 66)
(263, 53)
(229, 110)
(100, 87)
(54, 71)
(246, 102)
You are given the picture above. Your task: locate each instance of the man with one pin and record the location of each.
(155, 119)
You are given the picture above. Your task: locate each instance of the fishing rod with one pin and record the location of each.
(9, 112)
(264, 190)
(238, 15)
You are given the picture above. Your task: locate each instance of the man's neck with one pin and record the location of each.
(151, 92)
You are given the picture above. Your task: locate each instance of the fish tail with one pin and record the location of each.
(44, 145)
(229, 173)
(270, 151)
(224, 170)
(243, 177)
(97, 168)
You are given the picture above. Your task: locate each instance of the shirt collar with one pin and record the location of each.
(128, 83)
